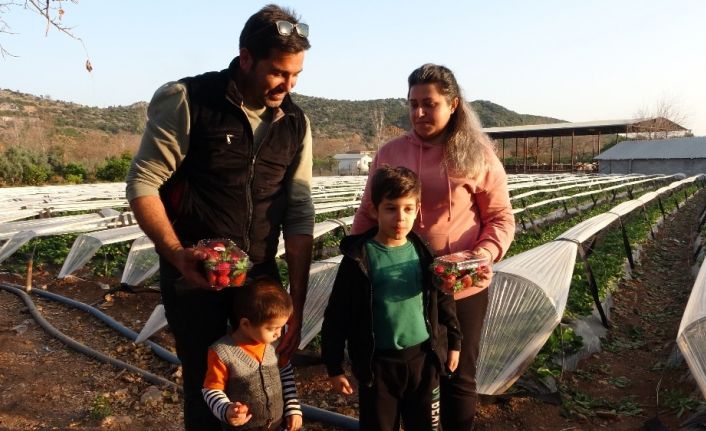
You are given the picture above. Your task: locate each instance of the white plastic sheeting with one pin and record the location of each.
(86, 245)
(320, 229)
(321, 278)
(142, 262)
(527, 298)
(26, 202)
(156, 321)
(19, 233)
(691, 337)
(526, 301)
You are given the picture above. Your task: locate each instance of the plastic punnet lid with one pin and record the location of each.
(462, 260)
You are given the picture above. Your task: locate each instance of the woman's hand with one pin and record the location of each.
(484, 274)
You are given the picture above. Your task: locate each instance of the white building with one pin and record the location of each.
(357, 163)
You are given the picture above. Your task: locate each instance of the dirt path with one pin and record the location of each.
(45, 386)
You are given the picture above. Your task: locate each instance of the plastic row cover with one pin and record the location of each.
(87, 245)
(527, 298)
(691, 337)
(73, 224)
(592, 181)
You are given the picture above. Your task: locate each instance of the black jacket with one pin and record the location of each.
(226, 187)
(349, 316)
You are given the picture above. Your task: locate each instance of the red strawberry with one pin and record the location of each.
(222, 268)
(212, 278)
(223, 281)
(238, 280)
(439, 269)
(467, 281)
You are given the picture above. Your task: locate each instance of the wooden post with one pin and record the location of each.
(559, 155)
(524, 169)
(599, 142)
(503, 152)
(572, 150)
(536, 148)
(551, 157)
(516, 156)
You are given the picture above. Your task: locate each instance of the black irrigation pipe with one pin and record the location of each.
(112, 323)
(81, 348)
(311, 413)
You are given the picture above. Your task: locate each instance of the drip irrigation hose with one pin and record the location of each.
(70, 342)
(112, 323)
(311, 413)
(324, 416)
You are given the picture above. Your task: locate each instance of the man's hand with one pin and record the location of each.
(341, 384)
(189, 263)
(237, 414)
(289, 343)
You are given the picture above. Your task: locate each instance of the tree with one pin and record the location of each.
(51, 11)
(664, 108)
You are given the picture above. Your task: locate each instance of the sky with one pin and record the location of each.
(572, 60)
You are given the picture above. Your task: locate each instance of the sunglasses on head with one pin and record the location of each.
(285, 28)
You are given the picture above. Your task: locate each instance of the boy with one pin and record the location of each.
(243, 386)
(383, 305)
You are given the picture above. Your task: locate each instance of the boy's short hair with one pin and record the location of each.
(261, 300)
(393, 183)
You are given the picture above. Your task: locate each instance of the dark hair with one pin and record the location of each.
(261, 300)
(394, 182)
(260, 33)
(465, 143)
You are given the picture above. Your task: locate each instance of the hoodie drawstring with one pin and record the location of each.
(448, 186)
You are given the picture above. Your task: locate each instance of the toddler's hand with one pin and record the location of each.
(237, 414)
(294, 423)
(341, 384)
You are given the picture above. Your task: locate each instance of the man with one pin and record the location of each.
(227, 155)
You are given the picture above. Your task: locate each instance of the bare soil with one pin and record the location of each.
(46, 386)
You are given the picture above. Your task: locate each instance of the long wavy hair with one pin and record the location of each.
(466, 145)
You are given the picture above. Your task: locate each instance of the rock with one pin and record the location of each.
(606, 414)
(152, 396)
(22, 327)
(116, 422)
(120, 394)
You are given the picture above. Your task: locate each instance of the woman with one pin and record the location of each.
(465, 206)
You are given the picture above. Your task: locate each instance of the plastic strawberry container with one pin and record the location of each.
(226, 265)
(457, 271)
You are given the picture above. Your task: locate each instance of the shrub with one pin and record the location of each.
(114, 168)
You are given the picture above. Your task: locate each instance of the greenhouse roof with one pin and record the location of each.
(658, 149)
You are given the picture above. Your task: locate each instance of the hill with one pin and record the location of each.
(59, 132)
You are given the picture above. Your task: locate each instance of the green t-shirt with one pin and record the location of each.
(398, 307)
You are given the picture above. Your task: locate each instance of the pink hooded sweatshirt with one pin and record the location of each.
(456, 213)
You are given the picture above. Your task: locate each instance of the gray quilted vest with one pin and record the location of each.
(255, 384)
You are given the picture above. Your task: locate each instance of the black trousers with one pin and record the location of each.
(405, 386)
(197, 318)
(458, 391)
